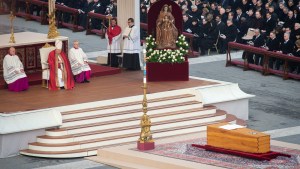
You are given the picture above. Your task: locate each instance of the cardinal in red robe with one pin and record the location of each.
(61, 76)
(113, 35)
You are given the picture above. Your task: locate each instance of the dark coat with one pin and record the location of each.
(259, 41)
(287, 47)
(273, 44)
(270, 25)
(231, 33)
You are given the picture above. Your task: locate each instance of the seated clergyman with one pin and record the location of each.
(13, 72)
(80, 68)
(61, 76)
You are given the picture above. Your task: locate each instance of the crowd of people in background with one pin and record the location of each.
(275, 22)
(104, 7)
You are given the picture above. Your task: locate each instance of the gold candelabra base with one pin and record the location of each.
(12, 38)
(145, 142)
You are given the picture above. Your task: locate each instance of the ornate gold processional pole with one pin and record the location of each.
(12, 35)
(145, 141)
(53, 33)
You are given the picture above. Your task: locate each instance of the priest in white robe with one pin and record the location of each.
(13, 72)
(113, 36)
(79, 64)
(131, 49)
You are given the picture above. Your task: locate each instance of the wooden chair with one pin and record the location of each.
(44, 53)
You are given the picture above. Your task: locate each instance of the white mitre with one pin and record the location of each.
(58, 44)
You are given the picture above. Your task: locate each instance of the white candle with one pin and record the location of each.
(53, 5)
(49, 6)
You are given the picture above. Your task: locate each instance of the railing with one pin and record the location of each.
(190, 36)
(3, 8)
(44, 11)
(266, 57)
(28, 16)
(61, 11)
(19, 11)
(90, 30)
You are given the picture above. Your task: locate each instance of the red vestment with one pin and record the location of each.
(112, 32)
(54, 66)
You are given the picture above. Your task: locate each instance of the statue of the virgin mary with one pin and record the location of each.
(166, 32)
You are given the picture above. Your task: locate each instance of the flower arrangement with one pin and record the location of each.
(166, 55)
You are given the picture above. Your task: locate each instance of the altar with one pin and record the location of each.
(27, 48)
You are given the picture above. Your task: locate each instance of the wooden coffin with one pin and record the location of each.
(241, 139)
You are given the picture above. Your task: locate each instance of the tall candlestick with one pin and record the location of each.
(145, 142)
(53, 33)
(49, 7)
(12, 36)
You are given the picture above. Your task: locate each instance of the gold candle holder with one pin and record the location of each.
(12, 35)
(53, 33)
(145, 141)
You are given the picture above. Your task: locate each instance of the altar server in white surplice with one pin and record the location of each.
(79, 64)
(13, 72)
(113, 36)
(131, 50)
